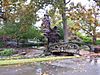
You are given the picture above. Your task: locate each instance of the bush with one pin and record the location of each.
(98, 42)
(86, 39)
(7, 52)
(1, 44)
(61, 32)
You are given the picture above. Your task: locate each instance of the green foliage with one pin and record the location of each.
(85, 38)
(2, 32)
(6, 52)
(97, 42)
(17, 31)
(32, 33)
(1, 44)
(61, 31)
(10, 28)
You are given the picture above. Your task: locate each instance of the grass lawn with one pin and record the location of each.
(24, 61)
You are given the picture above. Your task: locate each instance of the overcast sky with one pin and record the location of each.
(84, 2)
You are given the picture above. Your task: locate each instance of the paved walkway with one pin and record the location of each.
(59, 67)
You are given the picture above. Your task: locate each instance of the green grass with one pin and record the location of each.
(24, 61)
(7, 52)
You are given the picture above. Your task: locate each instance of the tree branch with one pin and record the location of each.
(86, 30)
(68, 1)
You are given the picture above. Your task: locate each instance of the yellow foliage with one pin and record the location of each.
(6, 2)
(23, 28)
(45, 73)
(77, 25)
(91, 19)
(97, 24)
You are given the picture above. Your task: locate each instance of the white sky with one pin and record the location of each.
(84, 2)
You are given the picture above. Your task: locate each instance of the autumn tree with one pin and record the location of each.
(18, 17)
(85, 19)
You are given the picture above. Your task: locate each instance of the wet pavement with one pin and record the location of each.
(77, 66)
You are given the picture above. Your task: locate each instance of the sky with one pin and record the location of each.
(84, 2)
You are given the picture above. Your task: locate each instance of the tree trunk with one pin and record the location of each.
(94, 37)
(94, 30)
(65, 27)
(94, 40)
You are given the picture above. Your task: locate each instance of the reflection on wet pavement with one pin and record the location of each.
(59, 67)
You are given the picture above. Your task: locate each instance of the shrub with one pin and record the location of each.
(1, 44)
(86, 39)
(6, 52)
(98, 42)
(61, 32)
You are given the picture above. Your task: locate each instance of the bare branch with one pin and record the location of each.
(68, 1)
(86, 31)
